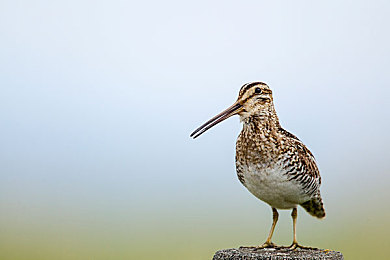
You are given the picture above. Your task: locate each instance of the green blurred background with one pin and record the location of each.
(98, 98)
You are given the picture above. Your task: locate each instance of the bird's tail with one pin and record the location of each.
(315, 206)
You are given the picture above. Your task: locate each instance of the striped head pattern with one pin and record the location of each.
(254, 99)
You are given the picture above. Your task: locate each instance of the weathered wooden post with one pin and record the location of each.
(277, 254)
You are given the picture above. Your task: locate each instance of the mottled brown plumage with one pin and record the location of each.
(273, 164)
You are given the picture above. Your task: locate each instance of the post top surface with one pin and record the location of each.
(277, 254)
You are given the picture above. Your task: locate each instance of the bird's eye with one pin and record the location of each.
(258, 90)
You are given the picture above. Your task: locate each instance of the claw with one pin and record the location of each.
(296, 245)
(265, 245)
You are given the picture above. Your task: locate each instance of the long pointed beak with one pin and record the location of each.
(233, 110)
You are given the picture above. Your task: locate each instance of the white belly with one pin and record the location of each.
(272, 186)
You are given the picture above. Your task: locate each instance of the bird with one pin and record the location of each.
(272, 163)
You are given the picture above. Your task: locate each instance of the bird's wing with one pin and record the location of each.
(302, 166)
(308, 175)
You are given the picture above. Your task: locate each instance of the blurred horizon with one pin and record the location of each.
(97, 101)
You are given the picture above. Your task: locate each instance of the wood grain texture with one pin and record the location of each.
(277, 254)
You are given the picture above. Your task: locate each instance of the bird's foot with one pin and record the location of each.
(295, 245)
(265, 245)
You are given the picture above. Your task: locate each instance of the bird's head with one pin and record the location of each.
(254, 99)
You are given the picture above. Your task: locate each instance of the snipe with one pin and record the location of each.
(273, 164)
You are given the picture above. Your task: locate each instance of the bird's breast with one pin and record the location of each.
(270, 183)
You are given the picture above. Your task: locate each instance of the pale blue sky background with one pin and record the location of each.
(98, 98)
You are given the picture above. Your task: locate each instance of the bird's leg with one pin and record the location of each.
(294, 215)
(295, 245)
(268, 243)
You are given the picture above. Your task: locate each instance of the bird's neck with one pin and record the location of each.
(266, 122)
(261, 125)
(261, 131)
